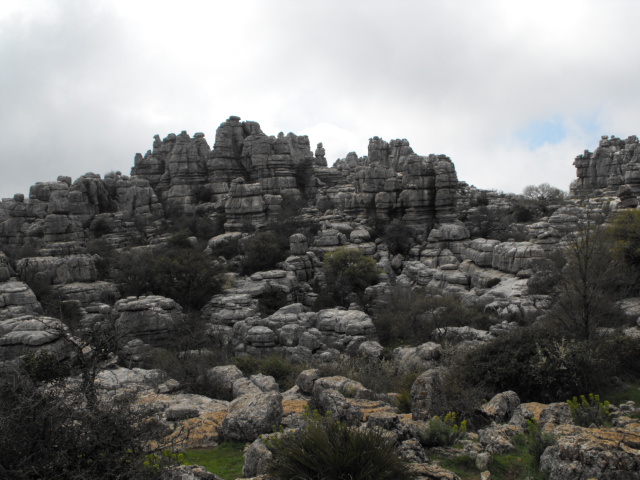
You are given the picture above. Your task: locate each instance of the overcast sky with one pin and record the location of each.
(511, 90)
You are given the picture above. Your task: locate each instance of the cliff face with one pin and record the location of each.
(253, 176)
(614, 164)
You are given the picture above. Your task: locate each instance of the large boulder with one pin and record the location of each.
(251, 416)
(427, 395)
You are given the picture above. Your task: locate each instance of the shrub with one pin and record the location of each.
(283, 371)
(535, 441)
(57, 433)
(263, 252)
(590, 412)
(271, 301)
(406, 316)
(379, 375)
(186, 275)
(329, 450)
(349, 271)
(443, 432)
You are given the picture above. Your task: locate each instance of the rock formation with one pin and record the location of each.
(614, 163)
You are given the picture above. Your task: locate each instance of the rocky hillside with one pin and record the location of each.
(232, 251)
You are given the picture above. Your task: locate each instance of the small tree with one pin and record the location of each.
(349, 271)
(589, 284)
(543, 193)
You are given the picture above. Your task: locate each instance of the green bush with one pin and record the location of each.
(283, 371)
(590, 412)
(349, 271)
(379, 375)
(263, 252)
(541, 365)
(405, 316)
(535, 441)
(443, 432)
(271, 301)
(186, 275)
(329, 450)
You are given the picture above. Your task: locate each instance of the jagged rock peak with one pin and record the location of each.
(614, 163)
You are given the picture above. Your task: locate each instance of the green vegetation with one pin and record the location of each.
(379, 375)
(263, 252)
(183, 273)
(590, 412)
(541, 365)
(522, 463)
(329, 450)
(623, 394)
(443, 432)
(543, 197)
(276, 366)
(589, 285)
(348, 273)
(409, 317)
(225, 460)
(58, 430)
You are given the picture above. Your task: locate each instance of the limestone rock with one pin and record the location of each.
(420, 358)
(502, 406)
(427, 396)
(152, 319)
(17, 299)
(58, 270)
(585, 453)
(252, 415)
(222, 379)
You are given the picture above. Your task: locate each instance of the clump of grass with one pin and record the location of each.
(282, 370)
(225, 460)
(443, 432)
(590, 412)
(327, 449)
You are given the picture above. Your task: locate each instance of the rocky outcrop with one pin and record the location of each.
(17, 299)
(614, 163)
(25, 334)
(58, 216)
(57, 270)
(427, 395)
(585, 453)
(252, 415)
(152, 319)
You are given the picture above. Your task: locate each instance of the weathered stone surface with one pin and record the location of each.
(252, 415)
(502, 406)
(615, 161)
(256, 457)
(222, 379)
(331, 400)
(6, 272)
(511, 257)
(416, 359)
(306, 379)
(586, 453)
(427, 395)
(25, 334)
(57, 270)
(152, 319)
(17, 299)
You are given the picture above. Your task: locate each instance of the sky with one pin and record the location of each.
(510, 90)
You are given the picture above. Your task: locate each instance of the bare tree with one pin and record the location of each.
(590, 283)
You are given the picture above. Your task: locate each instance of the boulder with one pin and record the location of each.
(427, 395)
(251, 416)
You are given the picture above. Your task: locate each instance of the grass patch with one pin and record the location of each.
(624, 394)
(225, 460)
(463, 465)
(515, 465)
